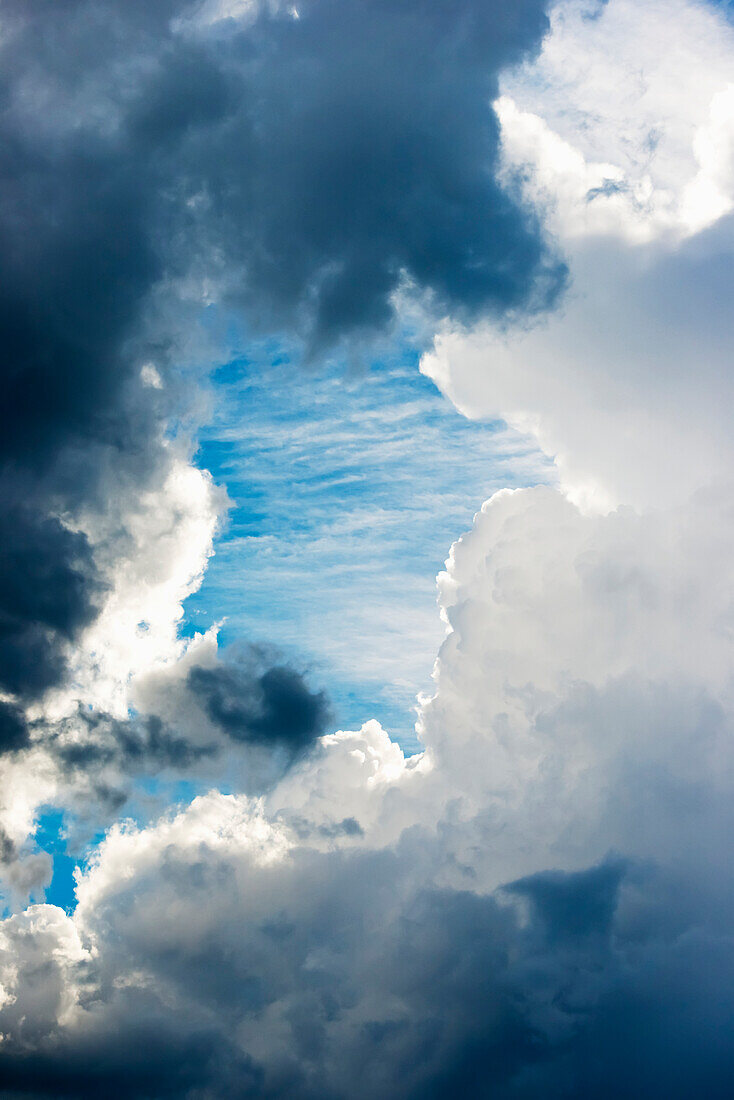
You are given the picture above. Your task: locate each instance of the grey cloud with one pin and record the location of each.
(13, 728)
(384, 987)
(269, 706)
(149, 1058)
(24, 871)
(573, 905)
(380, 164)
(245, 699)
(139, 743)
(48, 588)
(7, 847)
(347, 827)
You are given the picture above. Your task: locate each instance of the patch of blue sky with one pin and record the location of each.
(51, 836)
(347, 489)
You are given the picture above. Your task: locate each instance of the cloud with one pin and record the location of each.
(49, 589)
(381, 168)
(573, 905)
(267, 707)
(150, 1060)
(539, 904)
(626, 388)
(152, 542)
(323, 965)
(583, 696)
(237, 716)
(627, 384)
(143, 742)
(633, 96)
(13, 730)
(157, 164)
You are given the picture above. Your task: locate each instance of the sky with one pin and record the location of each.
(346, 491)
(366, 584)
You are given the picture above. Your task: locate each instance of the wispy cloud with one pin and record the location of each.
(347, 491)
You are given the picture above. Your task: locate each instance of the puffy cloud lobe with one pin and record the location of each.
(627, 386)
(152, 539)
(151, 1058)
(583, 694)
(358, 775)
(643, 341)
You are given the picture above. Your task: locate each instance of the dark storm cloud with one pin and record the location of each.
(573, 905)
(618, 1005)
(325, 155)
(271, 706)
(379, 988)
(360, 147)
(48, 588)
(149, 1058)
(13, 728)
(74, 263)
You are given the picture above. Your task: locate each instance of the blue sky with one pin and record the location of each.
(347, 490)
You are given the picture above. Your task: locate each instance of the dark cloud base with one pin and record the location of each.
(480, 999)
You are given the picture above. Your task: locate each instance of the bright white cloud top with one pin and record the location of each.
(541, 902)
